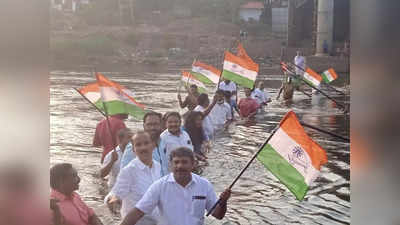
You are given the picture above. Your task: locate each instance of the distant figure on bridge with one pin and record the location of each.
(102, 136)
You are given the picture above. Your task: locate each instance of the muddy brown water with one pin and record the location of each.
(258, 197)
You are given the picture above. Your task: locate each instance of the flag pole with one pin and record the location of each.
(325, 131)
(323, 93)
(106, 114)
(83, 96)
(326, 83)
(220, 75)
(245, 168)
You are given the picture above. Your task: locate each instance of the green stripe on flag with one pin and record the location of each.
(118, 107)
(238, 79)
(285, 172)
(325, 78)
(202, 78)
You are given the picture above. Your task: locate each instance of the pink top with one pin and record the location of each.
(247, 106)
(73, 209)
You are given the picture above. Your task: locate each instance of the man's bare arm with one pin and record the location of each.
(133, 216)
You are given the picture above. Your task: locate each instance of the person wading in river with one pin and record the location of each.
(288, 90)
(112, 161)
(190, 100)
(136, 178)
(152, 124)
(182, 197)
(174, 136)
(102, 136)
(66, 205)
(248, 106)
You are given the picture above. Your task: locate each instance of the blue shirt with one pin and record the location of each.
(158, 155)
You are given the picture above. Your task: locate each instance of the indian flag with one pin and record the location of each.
(205, 73)
(118, 99)
(189, 79)
(240, 70)
(241, 52)
(312, 77)
(292, 156)
(92, 93)
(329, 75)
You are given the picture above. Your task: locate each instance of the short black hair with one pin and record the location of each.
(58, 173)
(124, 131)
(169, 114)
(181, 152)
(227, 94)
(193, 86)
(220, 92)
(202, 99)
(151, 113)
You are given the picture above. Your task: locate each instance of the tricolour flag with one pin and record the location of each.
(329, 75)
(118, 99)
(239, 70)
(241, 52)
(205, 73)
(292, 156)
(188, 79)
(92, 93)
(312, 77)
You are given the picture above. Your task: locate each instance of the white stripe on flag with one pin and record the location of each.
(237, 69)
(113, 94)
(210, 75)
(192, 81)
(311, 79)
(328, 75)
(286, 146)
(93, 96)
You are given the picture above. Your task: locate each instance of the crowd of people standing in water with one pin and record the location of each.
(151, 172)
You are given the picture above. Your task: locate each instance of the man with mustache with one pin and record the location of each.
(181, 197)
(66, 204)
(152, 125)
(136, 178)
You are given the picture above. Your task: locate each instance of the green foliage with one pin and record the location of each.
(92, 45)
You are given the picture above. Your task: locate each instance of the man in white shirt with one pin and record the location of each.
(181, 197)
(300, 62)
(174, 137)
(111, 163)
(205, 107)
(136, 178)
(259, 95)
(221, 113)
(227, 85)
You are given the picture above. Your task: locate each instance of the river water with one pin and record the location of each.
(257, 198)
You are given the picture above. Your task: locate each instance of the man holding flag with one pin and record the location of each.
(102, 136)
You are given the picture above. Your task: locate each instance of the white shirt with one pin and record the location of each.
(179, 205)
(112, 176)
(172, 142)
(220, 114)
(132, 183)
(300, 61)
(228, 87)
(259, 95)
(207, 124)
